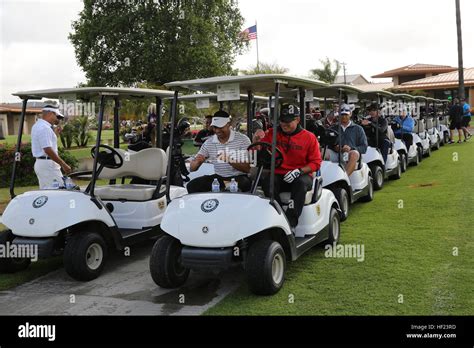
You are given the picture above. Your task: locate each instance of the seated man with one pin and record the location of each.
(353, 141)
(376, 124)
(227, 149)
(406, 124)
(301, 157)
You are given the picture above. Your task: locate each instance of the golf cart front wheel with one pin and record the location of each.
(343, 199)
(85, 255)
(370, 195)
(11, 265)
(334, 227)
(265, 267)
(404, 162)
(165, 263)
(378, 174)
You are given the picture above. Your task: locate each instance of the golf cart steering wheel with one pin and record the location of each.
(109, 159)
(264, 154)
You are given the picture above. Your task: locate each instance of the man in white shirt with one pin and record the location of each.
(44, 146)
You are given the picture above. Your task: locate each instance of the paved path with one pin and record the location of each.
(125, 288)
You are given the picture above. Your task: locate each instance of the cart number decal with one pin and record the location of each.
(40, 201)
(209, 205)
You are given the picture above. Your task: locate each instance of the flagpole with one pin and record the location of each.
(258, 61)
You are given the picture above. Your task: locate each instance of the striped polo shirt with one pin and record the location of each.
(235, 148)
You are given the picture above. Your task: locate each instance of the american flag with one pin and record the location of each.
(250, 33)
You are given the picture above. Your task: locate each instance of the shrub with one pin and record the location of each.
(67, 134)
(25, 174)
(82, 134)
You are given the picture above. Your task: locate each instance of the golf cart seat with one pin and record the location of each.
(310, 195)
(149, 164)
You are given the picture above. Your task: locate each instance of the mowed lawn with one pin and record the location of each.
(408, 252)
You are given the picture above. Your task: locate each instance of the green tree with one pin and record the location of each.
(327, 73)
(131, 42)
(265, 68)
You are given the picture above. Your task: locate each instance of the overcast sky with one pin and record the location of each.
(371, 36)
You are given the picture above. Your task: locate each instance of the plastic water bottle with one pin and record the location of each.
(55, 184)
(68, 183)
(216, 187)
(234, 186)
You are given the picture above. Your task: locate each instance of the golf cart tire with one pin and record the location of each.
(398, 174)
(259, 267)
(370, 196)
(428, 153)
(378, 175)
(446, 137)
(341, 194)
(420, 153)
(334, 232)
(11, 265)
(164, 261)
(78, 246)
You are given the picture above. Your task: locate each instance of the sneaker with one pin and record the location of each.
(450, 142)
(459, 141)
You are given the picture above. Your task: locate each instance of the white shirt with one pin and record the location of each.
(42, 136)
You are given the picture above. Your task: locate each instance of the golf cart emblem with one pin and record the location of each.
(209, 205)
(31, 221)
(40, 201)
(318, 209)
(161, 205)
(205, 229)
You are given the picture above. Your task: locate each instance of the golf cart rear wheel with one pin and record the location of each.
(370, 195)
(165, 263)
(85, 255)
(265, 267)
(11, 265)
(378, 175)
(398, 173)
(343, 199)
(334, 227)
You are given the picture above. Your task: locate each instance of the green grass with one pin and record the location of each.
(408, 252)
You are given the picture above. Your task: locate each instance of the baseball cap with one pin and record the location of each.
(49, 108)
(289, 112)
(345, 109)
(220, 119)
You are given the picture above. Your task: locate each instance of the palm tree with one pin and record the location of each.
(460, 60)
(327, 73)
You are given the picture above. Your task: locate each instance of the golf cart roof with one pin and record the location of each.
(420, 98)
(404, 96)
(213, 96)
(263, 83)
(332, 91)
(91, 92)
(375, 94)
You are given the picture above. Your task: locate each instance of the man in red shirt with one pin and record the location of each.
(301, 157)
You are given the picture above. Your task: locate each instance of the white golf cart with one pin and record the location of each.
(83, 224)
(373, 157)
(220, 230)
(420, 134)
(413, 154)
(430, 116)
(348, 190)
(442, 120)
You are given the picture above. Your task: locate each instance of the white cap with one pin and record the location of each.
(345, 109)
(220, 122)
(49, 108)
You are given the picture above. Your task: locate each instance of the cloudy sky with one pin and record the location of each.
(371, 36)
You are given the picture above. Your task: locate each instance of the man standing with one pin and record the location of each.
(376, 124)
(455, 117)
(466, 118)
(227, 149)
(353, 141)
(44, 146)
(301, 157)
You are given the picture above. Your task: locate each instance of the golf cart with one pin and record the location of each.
(373, 157)
(218, 230)
(413, 153)
(359, 186)
(442, 120)
(433, 134)
(420, 135)
(203, 102)
(82, 224)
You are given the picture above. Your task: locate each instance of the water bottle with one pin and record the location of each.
(55, 184)
(216, 187)
(68, 183)
(234, 186)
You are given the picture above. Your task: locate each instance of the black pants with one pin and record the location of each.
(298, 189)
(204, 183)
(385, 148)
(407, 138)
